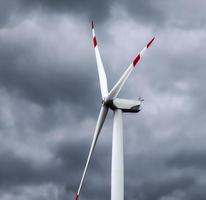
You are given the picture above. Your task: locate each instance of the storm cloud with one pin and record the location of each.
(50, 98)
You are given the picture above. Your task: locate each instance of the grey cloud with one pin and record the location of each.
(7, 9)
(97, 10)
(22, 72)
(15, 170)
(51, 104)
(168, 13)
(25, 74)
(160, 13)
(144, 11)
(188, 159)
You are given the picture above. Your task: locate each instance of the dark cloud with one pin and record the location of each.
(25, 72)
(188, 159)
(19, 171)
(21, 71)
(158, 14)
(97, 10)
(144, 11)
(50, 98)
(7, 9)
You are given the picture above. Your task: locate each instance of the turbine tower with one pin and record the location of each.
(118, 106)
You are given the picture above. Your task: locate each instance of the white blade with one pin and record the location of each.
(100, 67)
(118, 86)
(100, 122)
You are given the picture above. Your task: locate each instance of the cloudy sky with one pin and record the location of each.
(50, 98)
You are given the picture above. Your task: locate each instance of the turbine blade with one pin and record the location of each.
(100, 67)
(118, 86)
(100, 122)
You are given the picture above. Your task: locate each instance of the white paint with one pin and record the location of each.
(101, 71)
(117, 176)
(142, 52)
(102, 74)
(100, 122)
(93, 33)
(126, 103)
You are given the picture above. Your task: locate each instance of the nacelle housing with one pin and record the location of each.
(126, 105)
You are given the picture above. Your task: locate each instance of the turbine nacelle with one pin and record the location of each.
(126, 105)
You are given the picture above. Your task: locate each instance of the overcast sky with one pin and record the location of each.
(50, 98)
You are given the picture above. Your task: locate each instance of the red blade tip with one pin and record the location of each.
(136, 60)
(76, 196)
(148, 45)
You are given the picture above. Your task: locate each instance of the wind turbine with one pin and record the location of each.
(110, 100)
